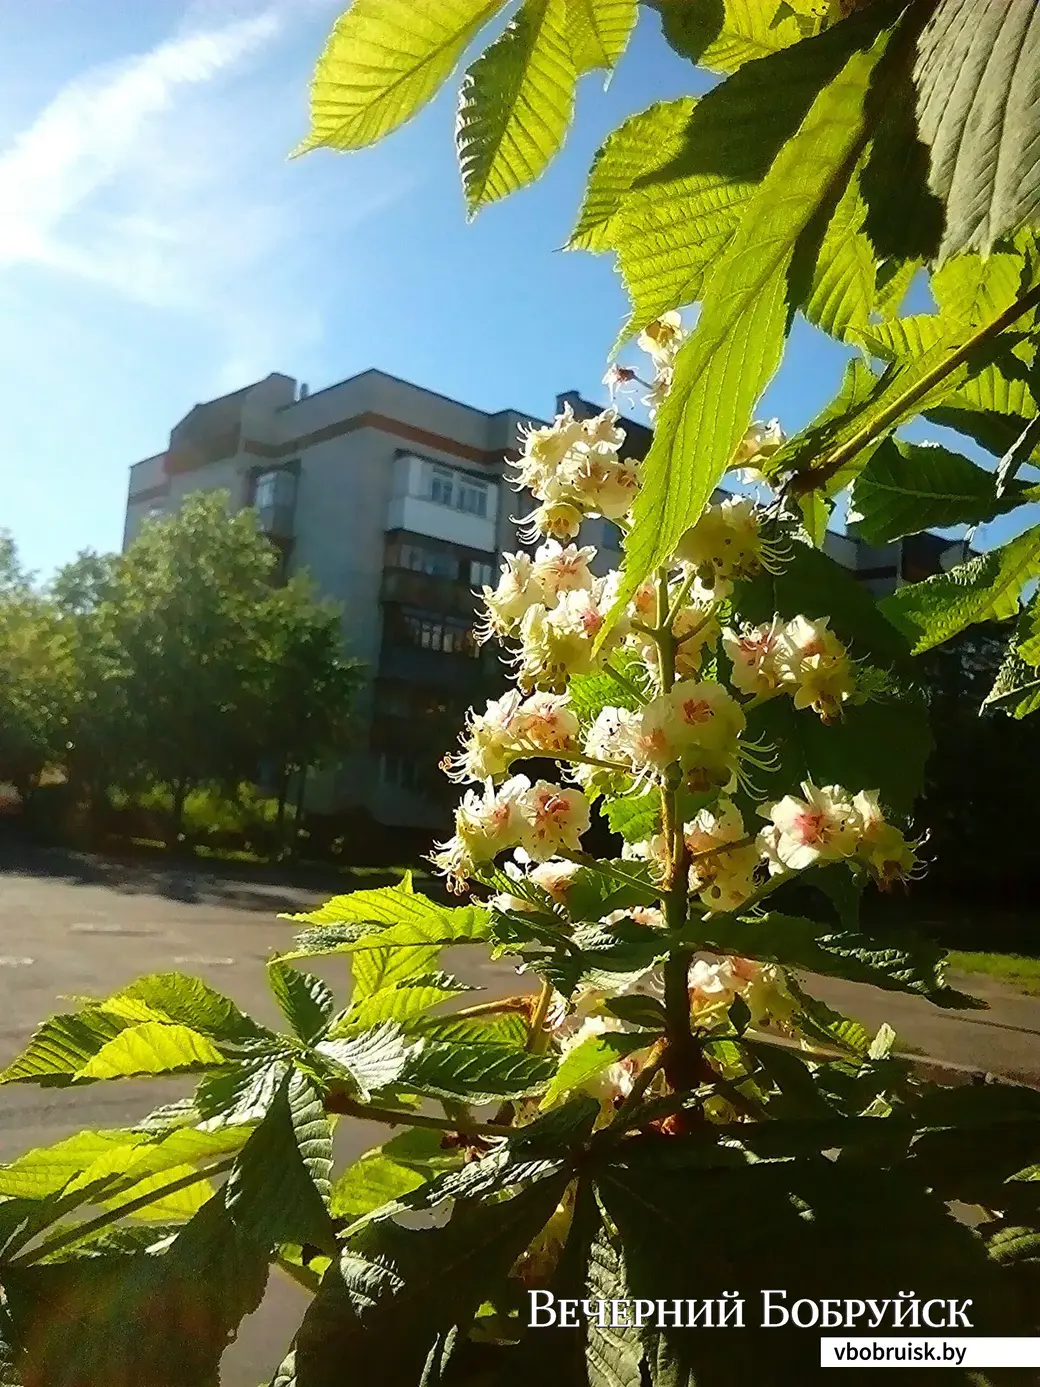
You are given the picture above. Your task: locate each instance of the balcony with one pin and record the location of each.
(407, 588)
(412, 664)
(444, 503)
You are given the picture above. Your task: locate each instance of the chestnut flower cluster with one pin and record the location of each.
(551, 610)
(574, 468)
(670, 741)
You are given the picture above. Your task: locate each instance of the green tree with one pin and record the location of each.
(37, 678)
(305, 719)
(195, 669)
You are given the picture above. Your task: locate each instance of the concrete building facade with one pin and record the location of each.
(393, 499)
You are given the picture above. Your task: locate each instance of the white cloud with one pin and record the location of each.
(163, 178)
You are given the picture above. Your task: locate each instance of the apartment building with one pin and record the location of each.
(393, 499)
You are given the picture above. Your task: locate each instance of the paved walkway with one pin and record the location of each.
(73, 927)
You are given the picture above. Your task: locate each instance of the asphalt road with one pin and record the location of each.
(73, 927)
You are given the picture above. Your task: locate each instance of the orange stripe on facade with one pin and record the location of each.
(190, 460)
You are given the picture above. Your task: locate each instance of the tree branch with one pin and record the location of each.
(814, 478)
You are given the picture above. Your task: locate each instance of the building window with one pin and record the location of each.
(458, 490)
(480, 574)
(274, 489)
(400, 770)
(442, 486)
(154, 512)
(439, 633)
(472, 497)
(436, 563)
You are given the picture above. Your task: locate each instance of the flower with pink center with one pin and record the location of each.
(558, 642)
(553, 877)
(545, 722)
(753, 651)
(485, 825)
(822, 826)
(706, 714)
(545, 448)
(726, 543)
(603, 431)
(602, 485)
(558, 568)
(552, 820)
(715, 983)
(814, 663)
(619, 379)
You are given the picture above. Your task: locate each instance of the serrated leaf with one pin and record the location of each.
(1027, 636)
(986, 588)
(635, 817)
(122, 1320)
(394, 1289)
(516, 104)
(61, 1046)
(645, 1012)
(639, 146)
(738, 341)
(844, 283)
(591, 1057)
(390, 1171)
(506, 1028)
(278, 1189)
(589, 694)
(594, 892)
(392, 917)
(897, 961)
(928, 370)
(976, 288)
(683, 208)
(369, 1060)
(909, 487)
(608, 957)
(379, 970)
(476, 1073)
(153, 1048)
(598, 31)
(405, 1002)
(243, 1094)
(383, 61)
(1016, 689)
(1017, 455)
(306, 1002)
(111, 1168)
(881, 1045)
(722, 35)
(977, 111)
(187, 1001)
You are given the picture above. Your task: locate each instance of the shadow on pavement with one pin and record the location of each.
(266, 890)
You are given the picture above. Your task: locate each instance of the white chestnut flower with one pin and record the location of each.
(552, 820)
(822, 826)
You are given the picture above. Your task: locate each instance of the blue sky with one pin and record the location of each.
(157, 247)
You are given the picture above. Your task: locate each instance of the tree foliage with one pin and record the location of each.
(178, 662)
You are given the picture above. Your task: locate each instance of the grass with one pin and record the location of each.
(1015, 969)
